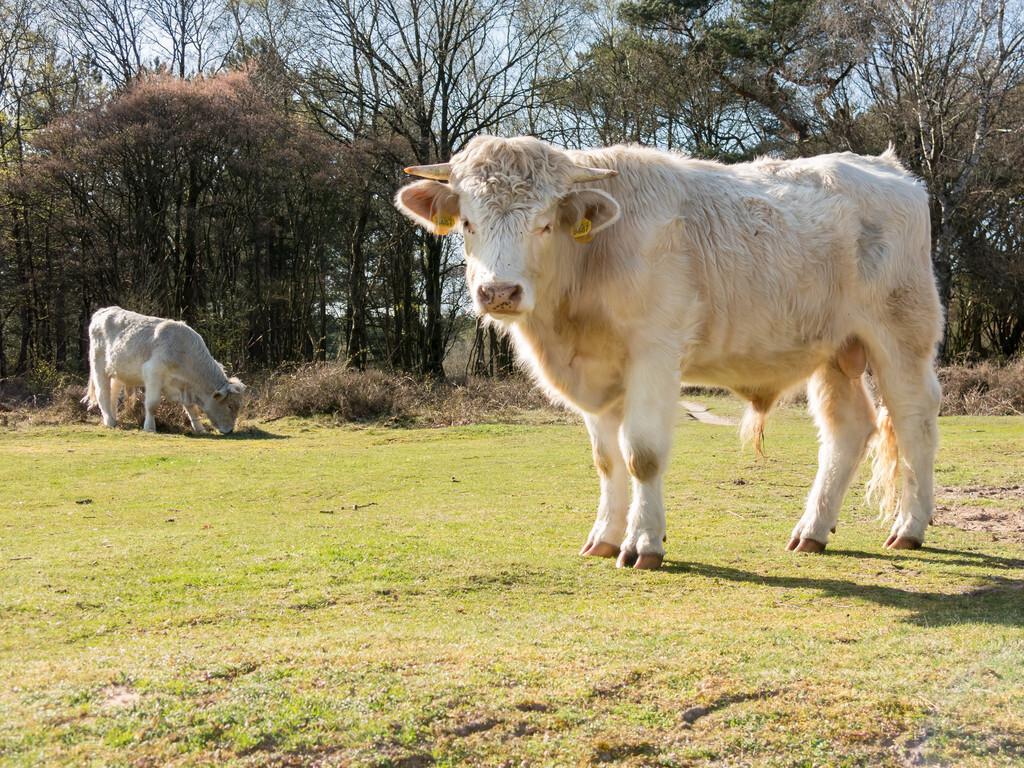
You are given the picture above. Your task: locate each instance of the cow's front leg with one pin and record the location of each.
(153, 384)
(652, 390)
(192, 411)
(610, 526)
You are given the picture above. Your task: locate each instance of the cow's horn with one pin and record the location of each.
(581, 174)
(437, 172)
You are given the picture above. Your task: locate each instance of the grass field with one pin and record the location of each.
(306, 595)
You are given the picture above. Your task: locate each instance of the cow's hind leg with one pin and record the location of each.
(652, 391)
(100, 385)
(903, 473)
(845, 417)
(105, 398)
(610, 526)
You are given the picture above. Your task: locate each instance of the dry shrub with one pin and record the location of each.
(478, 399)
(22, 402)
(325, 389)
(346, 395)
(985, 389)
(42, 397)
(379, 396)
(170, 417)
(66, 405)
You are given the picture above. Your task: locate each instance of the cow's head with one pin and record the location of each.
(222, 405)
(519, 205)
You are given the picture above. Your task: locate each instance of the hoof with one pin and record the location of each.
(649, 562)
(600, 549)
(793, 543)
(902, 542)
(627, 558)
(810, 545)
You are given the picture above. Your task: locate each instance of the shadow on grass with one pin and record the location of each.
(944, 557)
(1000, 601)
(249, 433)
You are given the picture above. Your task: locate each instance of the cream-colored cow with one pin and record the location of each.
(166, 357)
(620, 272)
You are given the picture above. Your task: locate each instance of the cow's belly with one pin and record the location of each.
(125, 361)
(125, 369)
(755, 372)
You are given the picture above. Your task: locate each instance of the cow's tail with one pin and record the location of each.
(883, 488)
(752, 425)
(89, 400)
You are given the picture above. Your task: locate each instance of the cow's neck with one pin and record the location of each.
(570, 341)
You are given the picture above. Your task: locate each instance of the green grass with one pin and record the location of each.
(306, 595)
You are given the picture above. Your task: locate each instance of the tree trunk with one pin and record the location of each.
(433, 348)
(355, 344)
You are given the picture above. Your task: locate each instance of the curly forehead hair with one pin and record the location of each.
(511, 174)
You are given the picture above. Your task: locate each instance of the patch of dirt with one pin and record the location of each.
(118, 697)
(692, 714)
(614, 752)
(612, 689)
(532, 706)
(998, 510)
(474, 726)
(230, 671)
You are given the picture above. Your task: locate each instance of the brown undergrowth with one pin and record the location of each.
(317, 390)
(375, 396)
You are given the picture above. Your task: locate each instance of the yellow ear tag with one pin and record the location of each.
(581, 232)
(443, 223)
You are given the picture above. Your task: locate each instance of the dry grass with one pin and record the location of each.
(26, 401)
(347, 395)
(985, 389)
(378, 396)
(328, 390)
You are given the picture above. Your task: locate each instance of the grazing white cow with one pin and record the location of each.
(620, 272)
(166, 357)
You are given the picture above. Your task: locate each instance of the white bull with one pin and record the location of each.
(620, 272)
(164, 356)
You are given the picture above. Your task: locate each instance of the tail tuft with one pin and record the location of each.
(89, 400)
(883, 488)
(752, 428)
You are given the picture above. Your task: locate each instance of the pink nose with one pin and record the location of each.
(501, 298)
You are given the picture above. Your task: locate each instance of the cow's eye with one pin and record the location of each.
(543, 230)
(467, 227)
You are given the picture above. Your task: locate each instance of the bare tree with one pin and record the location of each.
(109, 34)
(433, 73)
(941, 75)
(193, 35)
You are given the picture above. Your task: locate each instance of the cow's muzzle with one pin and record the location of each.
(500, 298)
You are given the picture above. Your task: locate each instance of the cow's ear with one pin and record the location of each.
(586, 212)
(430, 204)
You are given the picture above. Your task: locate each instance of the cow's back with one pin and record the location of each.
(774, 262)
(129, 340)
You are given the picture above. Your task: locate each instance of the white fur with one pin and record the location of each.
(750, 276)
(166, 357)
